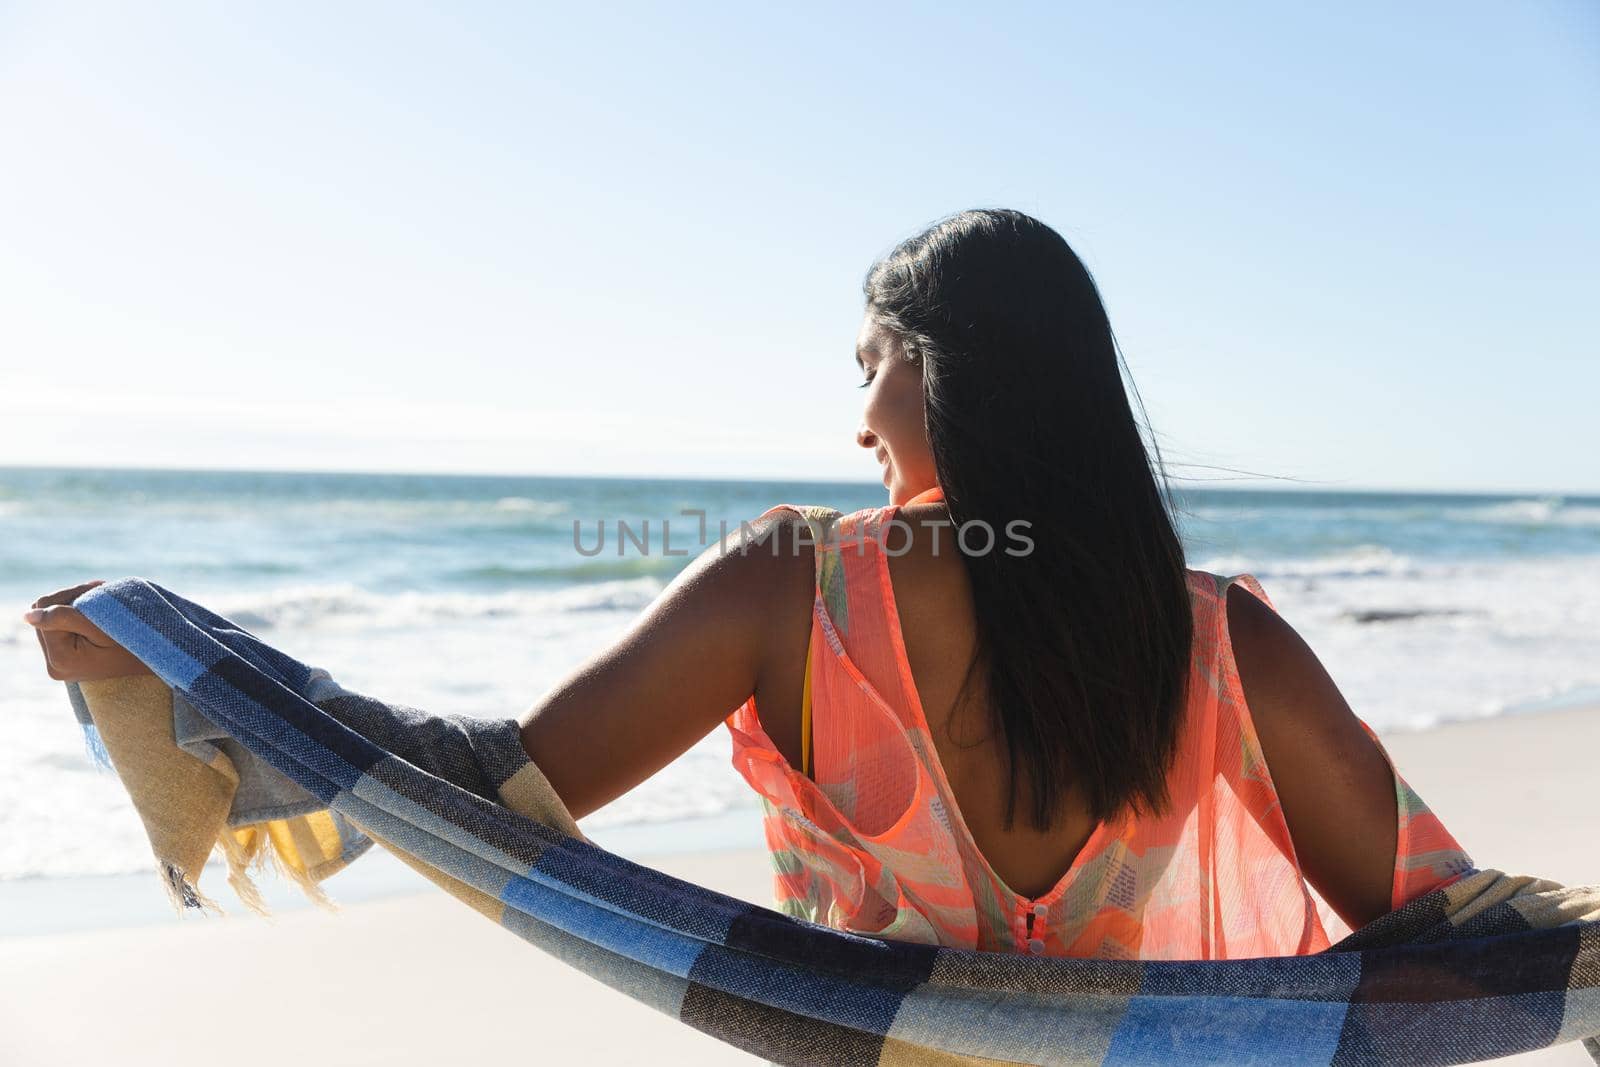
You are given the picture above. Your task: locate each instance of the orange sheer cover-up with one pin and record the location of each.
(876, 844)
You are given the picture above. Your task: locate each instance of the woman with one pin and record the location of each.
(1131, 706)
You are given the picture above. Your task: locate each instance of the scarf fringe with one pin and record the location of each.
(243, 858)
(239, 857)
(95, 747)
(181, 890)
(260, 855)
(308, 885)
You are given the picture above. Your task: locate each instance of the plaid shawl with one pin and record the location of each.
(234, 744)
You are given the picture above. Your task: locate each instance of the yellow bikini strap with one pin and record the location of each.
(805, 717)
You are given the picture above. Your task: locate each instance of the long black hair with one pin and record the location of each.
(1085, 640)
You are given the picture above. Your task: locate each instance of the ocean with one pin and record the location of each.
(470, 594)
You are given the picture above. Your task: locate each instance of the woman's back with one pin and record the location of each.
(898, 830)
(929, 606)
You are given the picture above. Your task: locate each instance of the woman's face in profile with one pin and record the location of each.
(892, 422)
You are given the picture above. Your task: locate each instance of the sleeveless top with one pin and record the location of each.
(876, 845)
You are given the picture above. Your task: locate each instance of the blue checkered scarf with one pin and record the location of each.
(1490, 965)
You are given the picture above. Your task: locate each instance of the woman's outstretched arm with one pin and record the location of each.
(695, 654)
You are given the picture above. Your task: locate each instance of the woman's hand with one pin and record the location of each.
(75, 649)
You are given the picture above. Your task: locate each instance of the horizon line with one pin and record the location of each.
(1180, 483)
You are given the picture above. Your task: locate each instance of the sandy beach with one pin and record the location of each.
(1515, 791)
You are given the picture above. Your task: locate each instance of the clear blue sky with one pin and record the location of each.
(1357, 246)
